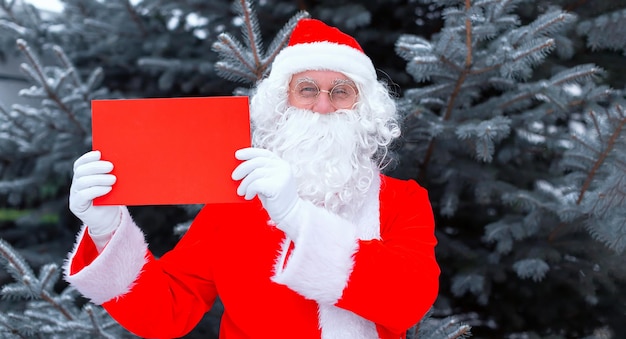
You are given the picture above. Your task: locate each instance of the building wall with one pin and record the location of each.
(12, 80)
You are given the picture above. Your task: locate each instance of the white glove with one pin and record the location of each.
(91, 180)
(268, 176)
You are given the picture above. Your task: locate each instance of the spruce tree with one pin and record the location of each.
(512, 115)
(524, 160)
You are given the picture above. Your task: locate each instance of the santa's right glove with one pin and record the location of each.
(270, 178)
(92, 179)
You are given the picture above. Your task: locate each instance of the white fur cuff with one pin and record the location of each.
(113, 272)
(322, 258)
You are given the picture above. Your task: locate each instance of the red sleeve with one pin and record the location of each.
(395, 280)
(171, 294)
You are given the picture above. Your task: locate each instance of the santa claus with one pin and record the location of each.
(325, 247)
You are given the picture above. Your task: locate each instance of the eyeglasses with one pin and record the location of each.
(342, 95)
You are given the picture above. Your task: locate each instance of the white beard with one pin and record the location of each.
(330, 156)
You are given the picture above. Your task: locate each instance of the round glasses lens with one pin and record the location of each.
(343, 96)
(307, 92)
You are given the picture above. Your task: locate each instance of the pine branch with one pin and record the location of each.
(616, 196)
(229, 48)
(282, 37)
(534, 50)
(48, 275)
(67, 64)
(547, 45)
(534, 268)
(6, 323)
(468, 37)
(41, 316)
(43, 81)
(251, 29)
(24, 274)
(16, 124)
(448, 328)
(578, 74)
(34, 114)
(249, 65)
(17, 267)
(457, 87)
(546, 24)
(432, 328)
(604, 154)
(605, 32)
(96, 323)
(8, 9)
(549, 23)
(237, 52)
(15, 28)
(618, 162)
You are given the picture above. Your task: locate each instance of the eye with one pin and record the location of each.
(307, 89)
(342, 91)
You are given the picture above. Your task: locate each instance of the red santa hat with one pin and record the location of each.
(316, 46)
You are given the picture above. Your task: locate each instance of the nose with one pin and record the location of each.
(323, 105)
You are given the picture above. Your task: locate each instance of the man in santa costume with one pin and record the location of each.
(325, 245)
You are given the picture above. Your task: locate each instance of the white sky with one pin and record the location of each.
(55, 5)
(50, 5)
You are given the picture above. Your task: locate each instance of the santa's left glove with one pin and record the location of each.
(270, 178)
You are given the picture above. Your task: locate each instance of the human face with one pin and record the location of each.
(322, 91)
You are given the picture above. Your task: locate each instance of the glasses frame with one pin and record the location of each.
(338, 82)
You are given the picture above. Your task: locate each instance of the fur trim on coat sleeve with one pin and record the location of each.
(320, 264)
(113, 272)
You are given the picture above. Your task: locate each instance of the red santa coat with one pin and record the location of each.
(372, 277)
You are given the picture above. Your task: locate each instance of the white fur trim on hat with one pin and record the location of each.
(323, 55)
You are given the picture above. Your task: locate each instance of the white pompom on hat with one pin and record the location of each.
(313, 45)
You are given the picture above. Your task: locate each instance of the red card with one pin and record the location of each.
(171, 151)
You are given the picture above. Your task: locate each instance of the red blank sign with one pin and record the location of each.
(171, 151)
